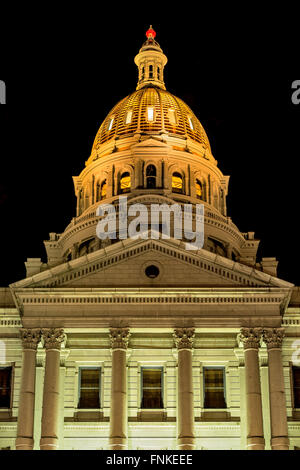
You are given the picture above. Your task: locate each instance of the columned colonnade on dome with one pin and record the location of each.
(251, 338)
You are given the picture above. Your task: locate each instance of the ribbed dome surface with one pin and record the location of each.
(170, 114)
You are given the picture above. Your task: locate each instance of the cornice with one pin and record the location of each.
(207, 262)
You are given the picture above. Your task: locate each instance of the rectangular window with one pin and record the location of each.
(150, 113)
(89, 388)
(296, 386)
(214, 388)
(172, 116)
(5, 387)
(110, 124)
(128, 117)
(152, 388)
(191, 123)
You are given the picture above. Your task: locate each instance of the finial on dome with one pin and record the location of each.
(151, 61)
(150, 33)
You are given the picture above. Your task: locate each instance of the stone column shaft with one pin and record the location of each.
(255, 432)
(118, 411)
(53, 337)
(30, 340)
(273, 338)
(185, 414)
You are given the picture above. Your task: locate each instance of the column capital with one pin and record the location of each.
(184, 338)
(273, 337)
(251, 337)
(30, 338)
(119, 337)
(53, 337)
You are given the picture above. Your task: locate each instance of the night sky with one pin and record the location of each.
(63, 76)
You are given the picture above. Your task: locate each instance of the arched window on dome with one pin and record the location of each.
(151, 177)
(151, 71)
(199, 189)
(158, 73)
(103, 191)
(177, 183)
(125, 183)
(98, 197)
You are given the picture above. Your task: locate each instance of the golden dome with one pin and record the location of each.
(151, 110)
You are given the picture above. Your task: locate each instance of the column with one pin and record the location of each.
(53, 337)
(118, 412)
(273, 338)
(185, 412)
(251, 338)
(30, 339)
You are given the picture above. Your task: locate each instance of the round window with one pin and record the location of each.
(152, 271)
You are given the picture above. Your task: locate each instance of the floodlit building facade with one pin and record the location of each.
(142, 343)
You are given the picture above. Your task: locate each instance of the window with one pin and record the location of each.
(110, 124)
(103, 189)
(172, 116)
(158, 73)
(128, 117)
(198, 189)
(150, 71)
(214, 388)
(151, 177)
(150, 113)
(5, 387)
(89, 387)
(152, 271)
(177, 183)
(296, 386)
(125, 183)
(152, 378)
(191, 123)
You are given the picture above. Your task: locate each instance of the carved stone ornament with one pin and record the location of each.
(30, 337)
(273, 337)
(251, 337)
(184, 337)
(53, 337)
(119, 338)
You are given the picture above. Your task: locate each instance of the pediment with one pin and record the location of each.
(150, 142)
(123, 265)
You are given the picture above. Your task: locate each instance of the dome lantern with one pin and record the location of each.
(151, 62)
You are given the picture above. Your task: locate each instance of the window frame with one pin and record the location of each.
(198, 182)
(172, 112)
(191, 123)
(80, 368)
(150, 176)
(161, 368)
(174, 190)
(5, 408)
(151, 121)
(215, 367)
(110, 123)
(104, 182)
(129, 112)
(296, 408)
(127, 190)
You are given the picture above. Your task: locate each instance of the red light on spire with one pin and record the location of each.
(151, 33)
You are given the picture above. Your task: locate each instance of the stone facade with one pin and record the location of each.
(93, 307)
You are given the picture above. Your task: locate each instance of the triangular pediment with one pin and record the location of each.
(123, 264)
(150, 142)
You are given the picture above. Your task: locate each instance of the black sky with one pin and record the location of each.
(64, 76)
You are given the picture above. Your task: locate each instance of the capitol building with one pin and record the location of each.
(140, 343)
